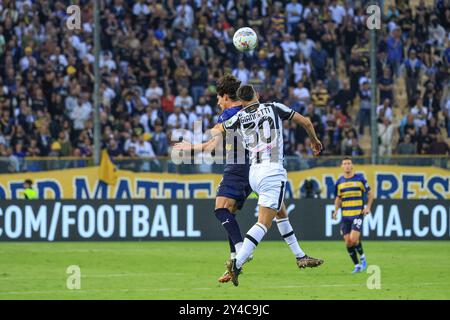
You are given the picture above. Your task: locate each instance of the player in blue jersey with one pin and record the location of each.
(234, 188)
(349, 191)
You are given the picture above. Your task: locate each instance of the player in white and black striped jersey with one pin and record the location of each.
(260, 125)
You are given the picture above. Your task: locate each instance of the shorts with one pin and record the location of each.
(268, 180)
(351, 223)
(234, 187)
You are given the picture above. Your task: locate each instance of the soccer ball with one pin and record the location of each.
(245, 39)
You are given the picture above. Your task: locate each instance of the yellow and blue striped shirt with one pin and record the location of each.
(351, 191)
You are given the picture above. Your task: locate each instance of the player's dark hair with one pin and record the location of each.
(246, 93)
(347, 158)
(228, 85)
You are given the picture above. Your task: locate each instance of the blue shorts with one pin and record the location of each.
(351, 223)
(234, 187)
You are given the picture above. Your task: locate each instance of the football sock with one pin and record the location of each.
(287, 232)
(252, 238)
(230, 224)
(352, 253)
(232, 248)
(359, 248)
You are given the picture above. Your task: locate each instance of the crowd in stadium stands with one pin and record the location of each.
(160, 61)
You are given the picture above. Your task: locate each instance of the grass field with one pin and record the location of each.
(189, 270)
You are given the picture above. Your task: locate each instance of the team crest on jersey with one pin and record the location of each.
(230, 122)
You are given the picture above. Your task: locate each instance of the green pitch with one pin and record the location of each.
(189, 270)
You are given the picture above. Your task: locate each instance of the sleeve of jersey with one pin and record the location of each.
(365, 184)
(231, 124)
(284, 111)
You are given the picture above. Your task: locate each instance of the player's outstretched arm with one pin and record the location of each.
(209, 145)
(308, 126)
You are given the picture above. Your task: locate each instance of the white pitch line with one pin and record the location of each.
(81, 291)
(112, 275)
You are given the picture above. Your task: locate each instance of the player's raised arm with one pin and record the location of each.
(216, 133)
(308, 126)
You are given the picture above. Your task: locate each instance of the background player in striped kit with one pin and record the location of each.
(349, 191)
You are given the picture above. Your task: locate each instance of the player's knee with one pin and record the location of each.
(348, 242)
(266, 223)
(354, 240)
(282, 214)
(225, 205)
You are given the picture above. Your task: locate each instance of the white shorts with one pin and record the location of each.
(268, 180)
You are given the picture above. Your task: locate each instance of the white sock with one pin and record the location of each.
(233, 255)
(252, 238)
(238, 246)
(287, 232)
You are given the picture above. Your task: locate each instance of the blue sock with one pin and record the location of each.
(230, 224)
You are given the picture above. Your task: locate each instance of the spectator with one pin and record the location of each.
(301, 67)
(168, 101)
(446, 112)
(242, 73)
(384, 111)
(198, 79)
(64, 142)
(144, 148)
(333, 84)
(288, 138)
(301, 94)
(385, 137)
(159, 141)
(420, 114)
(153, 91)
(319, 59)
(423, 141)
(320, 96)
(177, 119)
(337, 12)
(114, 149)
(357, 68)
(204, 111)
(406, 147)
(344, 97)
(439, 147)
(395, 49)
(305, 45)
(81, 113)
(294, 12)
(412, 69)
(289, 48)
(364, 107)
(184, 100)
(386, 85)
